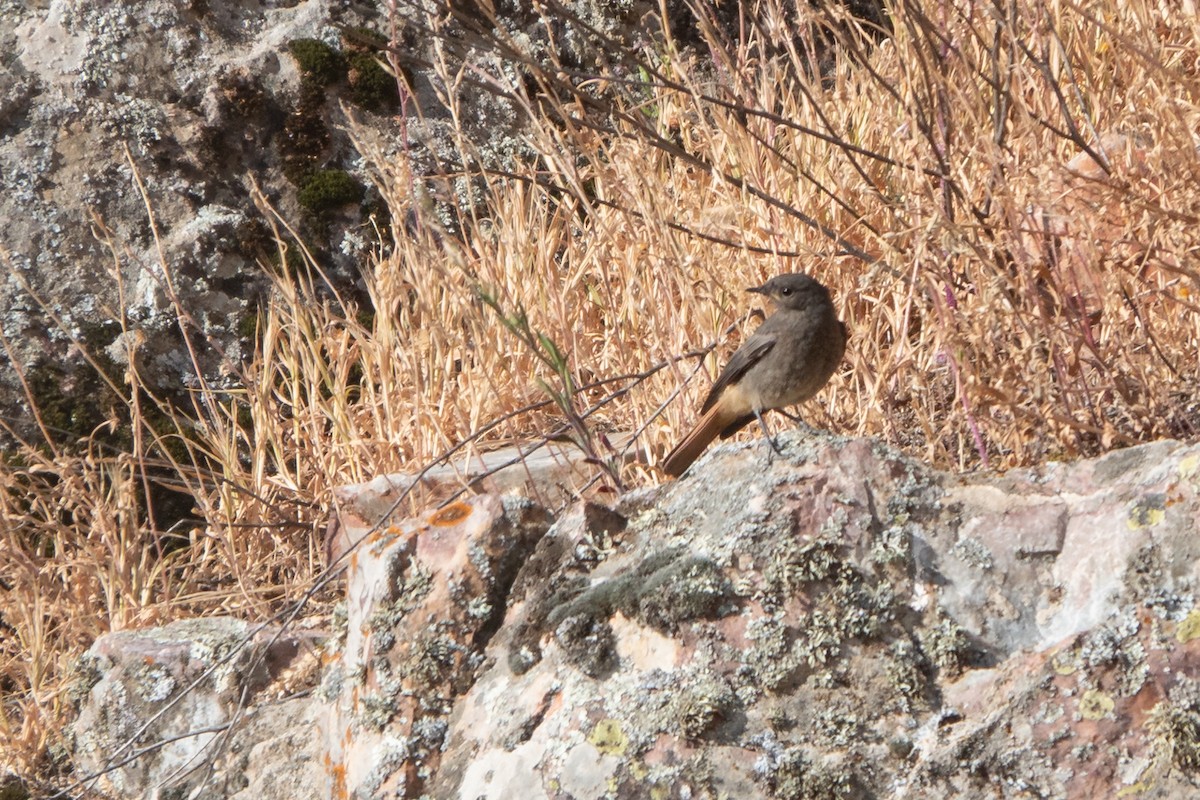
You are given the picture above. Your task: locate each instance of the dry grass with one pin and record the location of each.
(1002, 198)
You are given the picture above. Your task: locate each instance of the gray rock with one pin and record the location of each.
(194, 97)
(183, 709)
(198, 102)
(423, 599)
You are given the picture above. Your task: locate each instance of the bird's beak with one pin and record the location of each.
(757, 289)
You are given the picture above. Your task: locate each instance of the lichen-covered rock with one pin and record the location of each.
(194, 97)
(423, 598)
(834, 622)
(550, 476)
(132, 136)
(182, 710)
(843, 623)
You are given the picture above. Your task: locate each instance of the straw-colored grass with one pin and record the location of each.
(1003, 199)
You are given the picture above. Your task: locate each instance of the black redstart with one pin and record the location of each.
(786, 361)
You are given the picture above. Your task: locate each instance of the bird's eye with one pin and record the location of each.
(785, 291)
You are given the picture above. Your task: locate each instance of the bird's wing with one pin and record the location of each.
(749, 354)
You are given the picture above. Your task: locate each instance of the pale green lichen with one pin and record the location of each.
(837, 724)
(376, 708)
(1116, 645)
(391, 755)
(946, 645)
(702, 704)
(893, 545)
(972, 552)
(904, 675)
(416, 583)
(429, 659)
(1175, 723)
(790, 774)
(332, 682)
(847, 604)
(770, 660)
(792, 569)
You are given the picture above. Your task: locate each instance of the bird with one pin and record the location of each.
(784, 362)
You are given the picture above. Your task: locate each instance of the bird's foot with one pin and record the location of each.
(775, 448)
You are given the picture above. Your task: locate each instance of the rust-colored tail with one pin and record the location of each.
(712, 424)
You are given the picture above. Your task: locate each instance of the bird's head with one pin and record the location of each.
(793, 291)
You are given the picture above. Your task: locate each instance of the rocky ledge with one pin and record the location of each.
(838, 621)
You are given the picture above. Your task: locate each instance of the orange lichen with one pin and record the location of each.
(450, 515)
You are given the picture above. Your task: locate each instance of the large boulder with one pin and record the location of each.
(838, 621)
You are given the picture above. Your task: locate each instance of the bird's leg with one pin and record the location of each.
(767, 431)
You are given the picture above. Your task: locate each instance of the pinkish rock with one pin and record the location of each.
(551, 475)
(423, 598)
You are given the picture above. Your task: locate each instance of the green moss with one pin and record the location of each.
(14, 460)
(255, 240)
(320, 63)
(304, 139)
(365, 318)
(247, 325)
(73, 400)
(13, 788)
(375, 208)
(371, 87)
(328, 189)
(80, 410)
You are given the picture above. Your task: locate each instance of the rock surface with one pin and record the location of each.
(422, 601)
(185, 708)
(135, 138)
(836, 622)
(197, 97)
